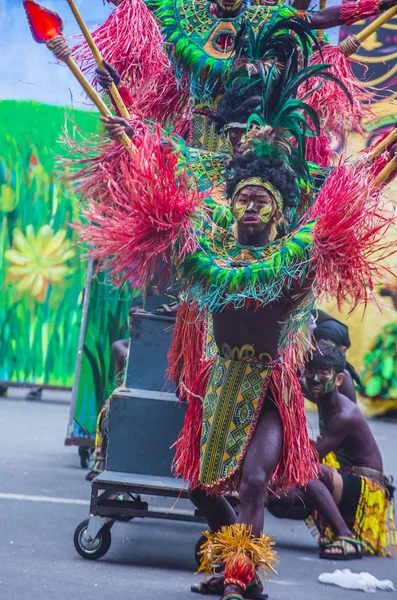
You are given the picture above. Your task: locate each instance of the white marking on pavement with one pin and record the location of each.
(52, 499)
(312, 558)
(281, 582)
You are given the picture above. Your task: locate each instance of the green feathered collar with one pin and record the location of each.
(222, 272)
(202, 43)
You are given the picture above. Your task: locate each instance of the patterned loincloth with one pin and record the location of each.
(369, 503)
(231, 407)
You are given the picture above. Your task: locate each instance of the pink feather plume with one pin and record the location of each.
(349, 243)
(145, 213)
(131, 41)
(338, 116)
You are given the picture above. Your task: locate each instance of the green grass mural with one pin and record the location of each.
(42, 272)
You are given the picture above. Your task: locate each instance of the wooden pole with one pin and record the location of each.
(375, 25)
(386, 172)
(113, 91)
(351, 44)
(381, 147)
(320, 32)
(94, 96)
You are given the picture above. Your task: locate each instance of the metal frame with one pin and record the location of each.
(112, 499)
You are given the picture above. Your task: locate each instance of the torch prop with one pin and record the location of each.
(46, 27)
(329, 100)
(113, 91)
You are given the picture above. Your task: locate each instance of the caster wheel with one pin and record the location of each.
(94, 549)
(197, 549)
(34, 394)
(84, 455)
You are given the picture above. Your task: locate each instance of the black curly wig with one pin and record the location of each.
(271, 169)
(237, 104)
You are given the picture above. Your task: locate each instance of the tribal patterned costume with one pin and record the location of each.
(174, 58)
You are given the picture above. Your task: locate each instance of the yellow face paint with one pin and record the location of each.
(265, 213)
(234, 6)
(239, 210)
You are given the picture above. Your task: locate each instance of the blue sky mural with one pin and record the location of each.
(27, 69)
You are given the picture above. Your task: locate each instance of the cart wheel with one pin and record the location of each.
(95, 549)
(197, 549)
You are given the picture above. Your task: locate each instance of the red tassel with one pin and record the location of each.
(239, 570)
(143, 214)
(130, 40)
(298, 463)
(319, 151)
(351, 12)
(186, 349)
(337, 115)
(187, 455)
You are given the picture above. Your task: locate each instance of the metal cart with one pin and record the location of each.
(144, 422)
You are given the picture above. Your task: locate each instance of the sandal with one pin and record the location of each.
(170, 309)
(253, 590)
(341, 543)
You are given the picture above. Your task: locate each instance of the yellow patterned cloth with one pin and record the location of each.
(231, 408)
(331, 461)
(373, 520)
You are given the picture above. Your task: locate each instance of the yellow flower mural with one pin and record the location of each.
(8, 198)
(38, 260)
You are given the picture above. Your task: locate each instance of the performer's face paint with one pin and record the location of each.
(253, 208)
(233, 137)
(229, 6)
(322, 381)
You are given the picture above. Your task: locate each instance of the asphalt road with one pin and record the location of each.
(43, 497)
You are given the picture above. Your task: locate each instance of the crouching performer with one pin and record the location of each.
(350, 508)
(353, 509)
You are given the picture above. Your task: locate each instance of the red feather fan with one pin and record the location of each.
(338, 116)
(349, 244)
(131, 41)
(145, 213)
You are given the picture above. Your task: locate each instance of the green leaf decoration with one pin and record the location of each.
(373, 386)
(388, 367)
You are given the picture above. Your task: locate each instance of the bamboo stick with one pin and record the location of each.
(386, 172)
(381, 147)
(113, 91)
(351, 44)
(375, 25)
(320, 32)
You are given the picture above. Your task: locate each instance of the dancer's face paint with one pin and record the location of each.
(253, 205)
(320, 381)
(229, 5)
(233, 140)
